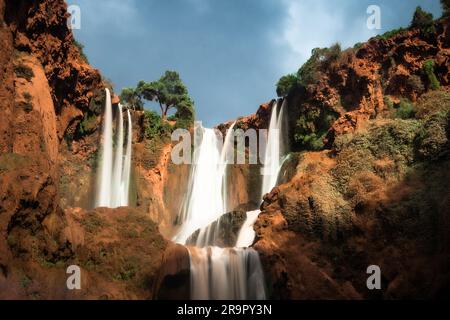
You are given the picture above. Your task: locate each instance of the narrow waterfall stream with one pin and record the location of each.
(233, 273)
(114, 174)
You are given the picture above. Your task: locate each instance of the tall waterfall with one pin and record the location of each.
(216, 273)
(127, 164)
(274, 149)
(104, 194)
(114, 173)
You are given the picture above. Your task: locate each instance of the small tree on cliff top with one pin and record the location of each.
(446, 8)
(170, 92)
(422, 20)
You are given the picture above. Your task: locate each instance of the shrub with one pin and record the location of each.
(390, 34)
(422, 20)
(23, 71)
(445, 8)
(320, 60)
(405, 110)
(433, 141)
(428, 68)
(81, 50)
(154, 126)
(88, 125)
(311, 127)
(286, 84)
(432, 102)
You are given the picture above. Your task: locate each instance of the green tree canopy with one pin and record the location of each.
(446, 7)
(131, 98)
(170, 92)
(286, 84)
(422, 19)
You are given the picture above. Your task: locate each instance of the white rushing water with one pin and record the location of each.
(114, 173)
(126, 175)
(247, 233)
(116, 183)
(104, 192)
(225, 273)
(274, 149)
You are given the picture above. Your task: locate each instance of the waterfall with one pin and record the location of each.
(104, 195)
(127, 163)
(114, 173)
(226, 274)
(116, 183)
(205, 199)
(216, 273)
(247, 234)
(274, 149)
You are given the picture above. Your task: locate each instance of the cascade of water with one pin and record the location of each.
(204, 203)
(247, 234)
(116, 183)
(104, 194)
(226, 274)
(114, 173)
(274, 149)
(216, 273)
(127, 163)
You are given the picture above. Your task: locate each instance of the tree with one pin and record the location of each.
(445, 8)
(286, 84)
(422, 19)
(170, 92)
(131, 98)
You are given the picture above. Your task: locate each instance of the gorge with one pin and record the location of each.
(355, 172)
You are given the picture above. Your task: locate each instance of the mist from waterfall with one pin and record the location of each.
(114, 174)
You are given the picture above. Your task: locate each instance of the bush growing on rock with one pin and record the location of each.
(405, 109)
(433, 142)
(286, 84)
(432, 102)
(428, 68)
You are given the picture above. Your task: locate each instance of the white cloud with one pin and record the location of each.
(315, 23)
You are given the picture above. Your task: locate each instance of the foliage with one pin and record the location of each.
(423, 20)
(154, 126)
(391, 33)
(433, 141)
(88, 124)
(311, 127)
(286, 84)
(432, 102)
(405, 109)
(445, 7)
(81, 50)
(428, 68)
(130, 97)
(23, 71)
(321, 59)
(170, 92)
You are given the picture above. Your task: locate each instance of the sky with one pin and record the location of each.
(229, 53)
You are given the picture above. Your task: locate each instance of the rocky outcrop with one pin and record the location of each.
(174, 275)
(363, 83)
(224, 231)
(372, 201)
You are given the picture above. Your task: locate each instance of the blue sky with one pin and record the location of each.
(230, 53)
